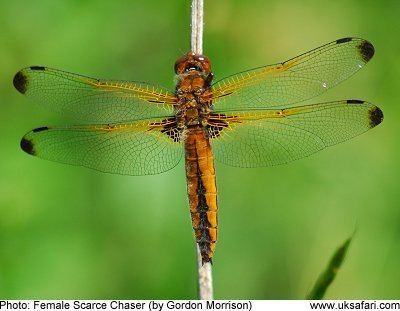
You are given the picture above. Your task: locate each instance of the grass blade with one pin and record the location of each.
(327, 277)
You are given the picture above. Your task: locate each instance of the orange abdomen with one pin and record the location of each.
(202, 190)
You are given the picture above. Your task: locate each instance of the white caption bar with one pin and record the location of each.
(164, 305)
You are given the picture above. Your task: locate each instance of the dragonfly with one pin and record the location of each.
(254, 118)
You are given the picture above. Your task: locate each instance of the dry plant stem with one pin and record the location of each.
(197, 26)
(204, 270)
(205, 278)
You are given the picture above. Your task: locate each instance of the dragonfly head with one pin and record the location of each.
(193, 62)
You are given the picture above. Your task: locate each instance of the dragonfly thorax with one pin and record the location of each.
(193, 89)
(194, 98)
(192, 113)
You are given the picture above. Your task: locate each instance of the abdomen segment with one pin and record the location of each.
(202, 191)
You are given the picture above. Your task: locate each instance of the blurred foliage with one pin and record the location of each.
(326, 278)
(69, 232)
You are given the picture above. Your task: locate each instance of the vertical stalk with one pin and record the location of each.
(197, 26)
(204, 270)
(204, 278)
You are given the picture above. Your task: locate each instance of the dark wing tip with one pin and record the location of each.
(27, 146)
(355, 101)
(39, 68)
(375, 116)
(40, 129)
(20, 82)
(343, 40)
(366, 50)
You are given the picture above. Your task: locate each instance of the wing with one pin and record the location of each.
(91, 99)
(295, 80)
(277, 136)
(138, 148)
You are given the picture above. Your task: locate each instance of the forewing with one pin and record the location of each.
(91, 99)
(277, 136)
(295, 80)
(138, 148)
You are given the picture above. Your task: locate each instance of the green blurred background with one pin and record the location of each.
(69, 232)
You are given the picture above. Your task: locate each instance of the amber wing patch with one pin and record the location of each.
(136, 148)
(270, 137)
(94, 100)
(295, 80)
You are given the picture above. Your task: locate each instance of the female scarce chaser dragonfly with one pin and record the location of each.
(250, 119)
